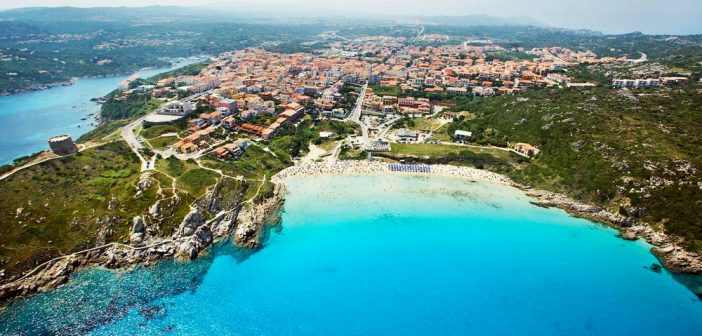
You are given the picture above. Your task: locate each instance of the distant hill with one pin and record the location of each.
(477, 20)
(12, 27)
(227, 13)
(121, 14)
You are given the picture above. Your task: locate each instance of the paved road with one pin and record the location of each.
(421, 31)
(355, 115)
(132, 140)
(334, 34)
(641, 59)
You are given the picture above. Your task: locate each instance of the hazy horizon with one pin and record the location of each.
(647, 16)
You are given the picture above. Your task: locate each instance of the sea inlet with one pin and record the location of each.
(30, 118)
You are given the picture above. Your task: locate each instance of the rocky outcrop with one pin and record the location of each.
(668, 250)
(193, 236)
(145, 182)
(138, 230)
(253, 217)
(190, 247)
(192, 221)
(154, 209)
(628, 235)
(548, 199)
(679, 260)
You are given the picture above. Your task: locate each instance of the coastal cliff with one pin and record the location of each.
(192, 237)
(252, 219)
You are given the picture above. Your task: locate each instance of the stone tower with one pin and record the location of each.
(62, 145)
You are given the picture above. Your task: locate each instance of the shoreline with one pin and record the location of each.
(667, 249)
(73, 80)
(246, 225)
(371, 167)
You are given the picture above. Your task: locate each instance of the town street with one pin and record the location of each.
(356, 113)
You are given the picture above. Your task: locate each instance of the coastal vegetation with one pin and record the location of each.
(158, 130)
(136, 104)
(254, 163)
(635, 152)
(484, 158)
(62, 205)
(90, 198)
(105, 130)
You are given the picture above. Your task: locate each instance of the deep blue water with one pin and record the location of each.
(29, 119)
(393, 255)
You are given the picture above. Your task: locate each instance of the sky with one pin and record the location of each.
(609, 16)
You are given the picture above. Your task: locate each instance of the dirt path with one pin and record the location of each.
(34, 163)
(218, 171)
(258, 191)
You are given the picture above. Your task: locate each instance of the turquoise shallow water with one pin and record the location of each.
(395, 255)
(29, 119)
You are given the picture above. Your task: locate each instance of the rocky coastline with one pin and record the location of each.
(245, 223)
(253, 218)
(668, 249)
(69, 82)
(38, 87)
(72, 81)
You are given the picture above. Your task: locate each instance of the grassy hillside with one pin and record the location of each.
(61, 206)
(88, 199)
(636, 152)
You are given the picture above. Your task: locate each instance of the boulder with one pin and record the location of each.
(187, 250)
(192, 253)
(137, 224)
(136, 238)
(153, 210)
(628, 235)
(192, 221)
(204, 235)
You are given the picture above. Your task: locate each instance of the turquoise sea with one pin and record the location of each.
(386, 255)
(29, 119)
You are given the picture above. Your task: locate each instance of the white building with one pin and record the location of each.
(461, 91)
(405, 135)
(178, 108)
(462, 135)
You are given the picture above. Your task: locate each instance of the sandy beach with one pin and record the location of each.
(673, 256)
(374, 167)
